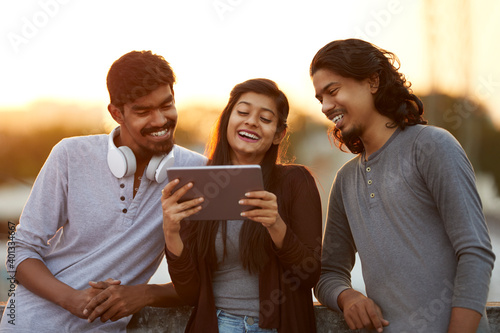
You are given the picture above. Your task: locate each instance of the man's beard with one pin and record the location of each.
(351, 139)
(160, 148)
(353, 134)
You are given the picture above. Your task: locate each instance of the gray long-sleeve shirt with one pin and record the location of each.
(85, 225)
(413, 214)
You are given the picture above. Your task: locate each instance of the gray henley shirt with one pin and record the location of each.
(413, 214)
(85, 225)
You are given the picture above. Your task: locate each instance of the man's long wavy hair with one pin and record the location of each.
(254, 240)
(359, 60)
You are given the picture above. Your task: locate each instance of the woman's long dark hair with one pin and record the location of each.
(254, 238)
(359, 60)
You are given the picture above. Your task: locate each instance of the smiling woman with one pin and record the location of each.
(252, 128)
(239, 265)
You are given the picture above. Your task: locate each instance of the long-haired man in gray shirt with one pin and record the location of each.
(407, 204)
(94, 213)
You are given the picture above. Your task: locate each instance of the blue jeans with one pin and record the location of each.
(229, 323)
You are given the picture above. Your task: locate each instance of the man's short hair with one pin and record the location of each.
(137, 74)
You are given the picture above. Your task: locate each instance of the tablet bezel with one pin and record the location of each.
(222, 186)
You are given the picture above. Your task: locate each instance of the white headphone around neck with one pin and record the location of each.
(121, 161)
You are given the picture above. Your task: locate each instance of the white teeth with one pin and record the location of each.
(248, 135)
(337, 118)
(160, 133)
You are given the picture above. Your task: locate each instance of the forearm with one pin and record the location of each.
(36, 277)
(300, 259)
(463, 320)
(185, 274)
(277, 233)
(337, 261)
(163, 295)
(118, 301)
(174, 243)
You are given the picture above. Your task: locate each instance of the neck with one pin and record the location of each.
(377, 135)
(243, 160)
(142, 158)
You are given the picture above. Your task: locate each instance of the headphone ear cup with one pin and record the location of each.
(130, 159)
(152, 166)
(158, 165)
(121, 161)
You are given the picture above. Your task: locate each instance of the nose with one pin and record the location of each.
(252, 119)
(159, 118)
(327, 106)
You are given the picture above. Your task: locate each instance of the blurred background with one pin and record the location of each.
(55, 54)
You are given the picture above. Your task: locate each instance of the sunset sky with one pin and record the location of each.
(62, 49)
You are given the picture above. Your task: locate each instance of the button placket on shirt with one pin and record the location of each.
(370, 182)
(123, 197)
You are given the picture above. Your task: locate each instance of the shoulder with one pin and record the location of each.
(294, 170)
(79, 144)
(435, 141)
(433, 133)
(349, 165)
(97, 139)
(295, 184)
(426, 134)
(185, 157)
(295, 175)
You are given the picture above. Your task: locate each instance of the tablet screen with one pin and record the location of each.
(222, 186)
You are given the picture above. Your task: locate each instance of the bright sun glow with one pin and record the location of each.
(62, 49)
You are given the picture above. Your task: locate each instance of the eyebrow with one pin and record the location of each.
(325, 88)
(250, 104)
(168, 99)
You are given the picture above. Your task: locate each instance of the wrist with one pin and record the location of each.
(66, 297)
(343, 296)
(171, 234)
(149, 293)
(174, 243)
(277, 233)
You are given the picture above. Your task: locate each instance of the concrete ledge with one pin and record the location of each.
(173, 320)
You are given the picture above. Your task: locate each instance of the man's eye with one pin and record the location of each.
(167, 106)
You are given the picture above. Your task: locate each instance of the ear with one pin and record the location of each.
(374, 82)
(278, 137)
(116, 113)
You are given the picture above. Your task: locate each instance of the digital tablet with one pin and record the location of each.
(222, 186)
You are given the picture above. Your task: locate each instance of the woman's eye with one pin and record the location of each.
(334, 91)
(265, 120)
(242, 112)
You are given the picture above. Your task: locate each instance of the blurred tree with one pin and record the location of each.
(23, 152)
(471, 125)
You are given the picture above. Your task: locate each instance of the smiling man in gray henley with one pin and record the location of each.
(407, 204)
